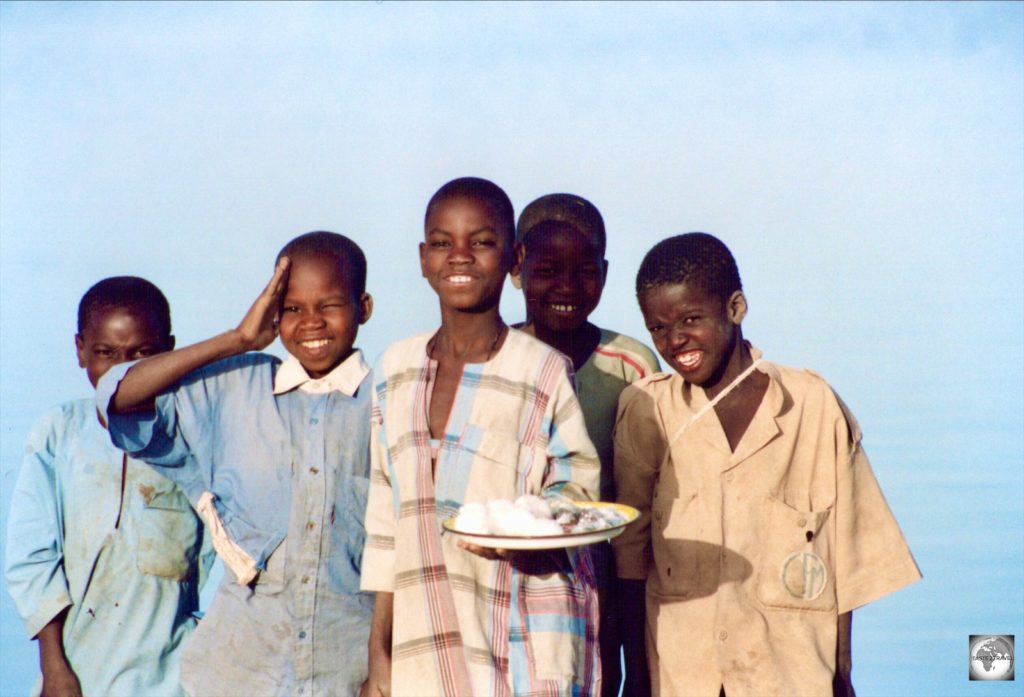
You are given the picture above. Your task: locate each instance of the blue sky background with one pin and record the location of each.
(865, 163)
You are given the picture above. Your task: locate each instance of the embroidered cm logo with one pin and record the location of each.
(804, 575)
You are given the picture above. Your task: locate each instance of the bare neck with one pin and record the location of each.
(466, 337)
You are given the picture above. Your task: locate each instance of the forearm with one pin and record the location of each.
(151, 376)
(378, 681)
(59, 678)
(381, 624)
(630, 602)
(51, 642)
(842, 684)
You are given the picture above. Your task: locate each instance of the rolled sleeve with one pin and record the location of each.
(34, 567)
(151, 434)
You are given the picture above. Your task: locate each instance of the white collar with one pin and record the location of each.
(346, 376)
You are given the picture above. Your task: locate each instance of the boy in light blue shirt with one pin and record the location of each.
(105, 557)
(274, 456)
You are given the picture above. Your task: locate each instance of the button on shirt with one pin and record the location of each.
(112, 541)
(273, 445)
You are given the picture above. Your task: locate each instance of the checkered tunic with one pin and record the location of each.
(464, 625)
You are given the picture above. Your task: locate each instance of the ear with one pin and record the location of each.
(604, 271)
(736, 307)
(80, 350)
(423, 259)
(170, 342)
(516, 273)
(365, 308)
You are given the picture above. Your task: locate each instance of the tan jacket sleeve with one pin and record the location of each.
(872, 557)
(639, 442)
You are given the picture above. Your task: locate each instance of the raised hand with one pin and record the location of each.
(259, 326)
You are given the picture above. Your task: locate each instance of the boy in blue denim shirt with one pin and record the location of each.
(104, 556)
(274, 456)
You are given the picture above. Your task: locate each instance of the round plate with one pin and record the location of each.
(574, 539)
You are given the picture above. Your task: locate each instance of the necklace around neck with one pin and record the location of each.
(432, 347)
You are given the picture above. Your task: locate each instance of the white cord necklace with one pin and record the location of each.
(718, 398)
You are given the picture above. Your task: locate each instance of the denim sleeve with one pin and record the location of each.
(155, 436)
(34, 566)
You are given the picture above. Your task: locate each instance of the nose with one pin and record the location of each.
(460, 254)
(312, 318)
(677, 336)
(567, 282)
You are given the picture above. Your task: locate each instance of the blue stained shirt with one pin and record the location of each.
(112, 541)
(286, 459)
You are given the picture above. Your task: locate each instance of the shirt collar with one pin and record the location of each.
(346, 376)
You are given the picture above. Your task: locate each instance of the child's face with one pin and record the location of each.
(693, 330)
(562, 275)
(320, 315)
(465, 256)
(116, 335)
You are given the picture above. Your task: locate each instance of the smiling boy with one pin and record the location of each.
(274, 456)
(562, 270)
(104, 556)
(472, 412)
(762, 525)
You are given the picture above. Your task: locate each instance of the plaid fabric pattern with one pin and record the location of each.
(465, 625)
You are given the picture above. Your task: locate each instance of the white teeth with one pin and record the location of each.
(315, 343)
(688, 359)
(459, 279)
(563, 308)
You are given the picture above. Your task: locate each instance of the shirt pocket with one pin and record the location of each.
(556, 626)
(167, 530)
(795, 570)
(489, 465)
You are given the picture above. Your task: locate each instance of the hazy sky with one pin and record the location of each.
(865, 162)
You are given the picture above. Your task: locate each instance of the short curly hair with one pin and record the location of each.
(484, 191)
(131, 293)
(697, 259)
(337, 249)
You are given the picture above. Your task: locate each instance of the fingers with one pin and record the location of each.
(492, 553)
(279, 281)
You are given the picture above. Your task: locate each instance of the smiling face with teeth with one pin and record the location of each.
(466, 255)
(562, 275)
(320, 314)
(696, 332)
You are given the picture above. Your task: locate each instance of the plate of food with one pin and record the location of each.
(533, 522)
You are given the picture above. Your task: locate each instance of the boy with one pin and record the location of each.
(562, 270)
(470, 413)
(104, 557)
(274, 456)
(762, 524)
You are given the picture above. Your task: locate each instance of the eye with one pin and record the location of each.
(146, 351)
(691, 319)
(289, 308)
(439, 244)
(656, 330)
(105, 352)
(484, 242)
